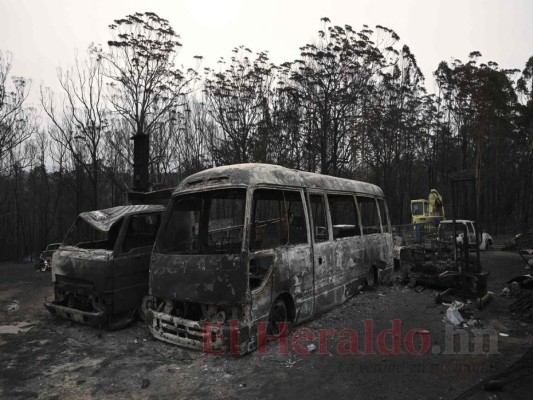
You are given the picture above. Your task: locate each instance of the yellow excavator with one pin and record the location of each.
(428, 211)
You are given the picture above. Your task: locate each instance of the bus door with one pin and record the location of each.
(323, 252)
(349, 246)
(280, 252)
(378, 241)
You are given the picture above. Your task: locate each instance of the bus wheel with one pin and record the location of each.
(278, 318)
(371, 277)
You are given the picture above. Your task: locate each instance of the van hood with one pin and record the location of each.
(94, 266)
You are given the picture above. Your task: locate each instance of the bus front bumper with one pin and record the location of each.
(210, 337)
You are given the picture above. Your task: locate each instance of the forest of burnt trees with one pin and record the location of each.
(354, 104)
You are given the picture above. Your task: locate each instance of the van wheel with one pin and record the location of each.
(371, 277)
(278, 315)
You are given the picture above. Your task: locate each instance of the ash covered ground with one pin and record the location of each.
(43, 357)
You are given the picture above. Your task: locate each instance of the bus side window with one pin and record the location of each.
(318, 216)
(278, 219)
(294, 220)
(268, 209)
(343, 216)
(369, 215)
(383, 213)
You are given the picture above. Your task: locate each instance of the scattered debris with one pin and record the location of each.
(523, 306)
(520, 288)
(493, 385)
(290, 363)
(524, 281)
(472, 322)
(14, 306)
(452, 313)
(20, 327)
(523, 245)
(441, 263)
(519, 371)
(515, 289)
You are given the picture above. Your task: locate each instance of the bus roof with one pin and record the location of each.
(258, 174)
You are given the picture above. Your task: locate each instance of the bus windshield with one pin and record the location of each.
(208, 222)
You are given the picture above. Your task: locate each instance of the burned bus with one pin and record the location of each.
(100, 271)
(250, 245)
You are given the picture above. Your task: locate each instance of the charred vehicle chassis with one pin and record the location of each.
(443, 262)
(246, 249)
(100, 272)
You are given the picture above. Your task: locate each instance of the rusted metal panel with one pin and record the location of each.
(92, 265)
(83, 317)
(104, 219)
(210, 279)
(298, 262)
(95, 285)
(130, 280)
(266, 174)
(261, 294)
(312, 277)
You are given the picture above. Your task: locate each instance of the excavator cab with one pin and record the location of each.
(431, 210)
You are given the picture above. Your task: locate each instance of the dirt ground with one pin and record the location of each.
(44, 357)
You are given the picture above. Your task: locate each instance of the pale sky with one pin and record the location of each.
(45, 34)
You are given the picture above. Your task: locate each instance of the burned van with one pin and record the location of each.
(100, 271)
(244, 250)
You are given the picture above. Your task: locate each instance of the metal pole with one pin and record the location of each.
(478, 241)
(454, 228)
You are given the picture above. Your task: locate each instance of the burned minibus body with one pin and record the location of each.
(255, 244)
(100, 272)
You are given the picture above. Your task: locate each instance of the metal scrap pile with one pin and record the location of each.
(521, 289)
(523, 306)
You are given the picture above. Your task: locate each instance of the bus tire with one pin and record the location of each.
(278, 315)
